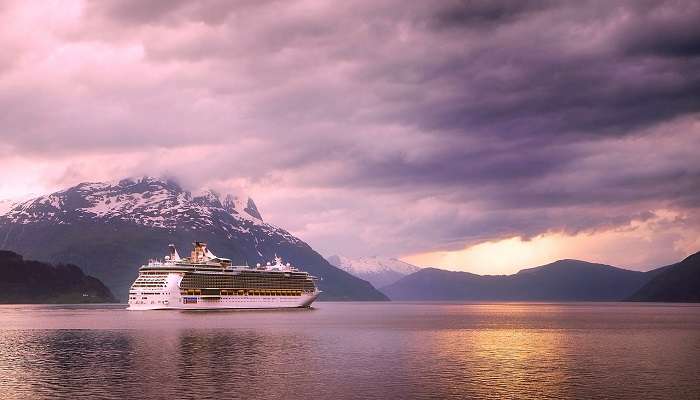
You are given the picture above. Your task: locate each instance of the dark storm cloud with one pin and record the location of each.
(575, 98)
(468, 14)
(545, 87)
(663, 29)
(512, 117)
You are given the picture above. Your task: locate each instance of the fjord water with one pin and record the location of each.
(354, 351)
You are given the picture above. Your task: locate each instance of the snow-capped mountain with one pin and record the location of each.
(378, 271)
(150, 202)
(110, 228)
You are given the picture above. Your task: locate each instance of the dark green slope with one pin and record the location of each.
(23, 281)
(564, 280)
(679, 282)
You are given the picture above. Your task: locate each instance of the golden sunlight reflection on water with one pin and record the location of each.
(354, 351)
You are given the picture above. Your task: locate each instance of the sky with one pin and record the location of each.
(483, 136)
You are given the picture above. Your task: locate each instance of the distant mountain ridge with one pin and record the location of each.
(563, 280)
(376, 270)
(678, 282)
(25, 281)
(111, 228)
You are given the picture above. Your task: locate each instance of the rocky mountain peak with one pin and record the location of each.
(236, 205)
(148, 201)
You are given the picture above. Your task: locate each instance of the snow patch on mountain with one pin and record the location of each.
(378, 271)
(371, 264)
(148, 201)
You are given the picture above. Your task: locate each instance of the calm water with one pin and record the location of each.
(353, 351)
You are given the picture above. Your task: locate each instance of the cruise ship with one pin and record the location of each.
(204, 281)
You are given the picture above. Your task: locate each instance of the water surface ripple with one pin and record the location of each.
(354, 351)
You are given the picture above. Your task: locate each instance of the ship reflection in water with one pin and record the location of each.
(354, 351)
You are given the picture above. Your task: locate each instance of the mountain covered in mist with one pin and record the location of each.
(26, 281)
(564, 280)
(111, 229)
(6, 205)
(678, 282)
(378, 271)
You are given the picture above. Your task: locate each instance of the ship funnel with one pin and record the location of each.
(199, 252)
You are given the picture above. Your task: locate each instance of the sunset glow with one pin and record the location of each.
(636, 246)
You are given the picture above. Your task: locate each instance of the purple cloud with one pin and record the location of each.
(381, 127)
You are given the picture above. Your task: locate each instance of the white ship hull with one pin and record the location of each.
(206, 282)
(154, 302)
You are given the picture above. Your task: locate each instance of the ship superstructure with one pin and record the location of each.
(205, 281)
